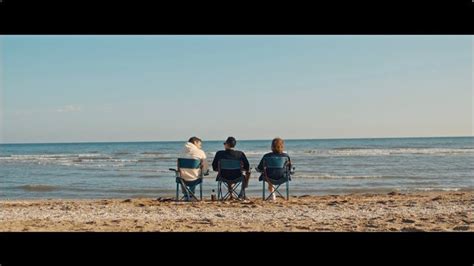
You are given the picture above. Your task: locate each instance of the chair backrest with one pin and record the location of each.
(226, 164)
(276, 167)
(275, 162)
(189, 167)
(230, 169)
(189, 163)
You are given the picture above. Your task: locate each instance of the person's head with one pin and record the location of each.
(196, 141)
(230, 143)
(278, 145)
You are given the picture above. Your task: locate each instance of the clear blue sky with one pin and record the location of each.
(133, 88)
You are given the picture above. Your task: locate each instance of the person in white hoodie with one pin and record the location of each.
(192, 149)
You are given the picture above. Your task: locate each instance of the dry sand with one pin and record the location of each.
(429, 211)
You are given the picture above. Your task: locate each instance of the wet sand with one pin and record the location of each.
(392, 212)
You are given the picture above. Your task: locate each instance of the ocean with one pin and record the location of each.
(323, 166)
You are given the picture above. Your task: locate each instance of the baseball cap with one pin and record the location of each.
(231, 141)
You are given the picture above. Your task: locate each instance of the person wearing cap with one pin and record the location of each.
(230, 153)
(193, 150)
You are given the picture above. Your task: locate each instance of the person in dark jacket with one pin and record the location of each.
(231, 154)
(278, 145)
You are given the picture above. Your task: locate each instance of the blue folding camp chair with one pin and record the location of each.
(276, 171)
(184, 163)
(230, 173)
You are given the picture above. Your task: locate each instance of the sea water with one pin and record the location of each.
(323, 166)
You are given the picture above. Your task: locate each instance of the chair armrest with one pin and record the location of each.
(176, 172)
(292, 170)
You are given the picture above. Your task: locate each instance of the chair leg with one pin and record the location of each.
(277, 192)
(263, 190)
(192, 196)
(224, 195)
(177, 192)
(287, 190)
(200, 190)
(221, 198)
(186, 193)
(234, 189)
(230, 192)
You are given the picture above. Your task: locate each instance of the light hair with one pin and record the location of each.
(278, 145)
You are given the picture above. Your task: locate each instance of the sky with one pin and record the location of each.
(157, 88)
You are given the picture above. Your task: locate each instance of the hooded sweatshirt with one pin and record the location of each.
(191, 151)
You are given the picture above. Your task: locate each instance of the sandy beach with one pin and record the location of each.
(428, 211)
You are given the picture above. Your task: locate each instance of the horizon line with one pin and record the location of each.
(149, 141)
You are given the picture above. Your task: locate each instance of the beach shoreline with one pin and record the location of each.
(431, 211)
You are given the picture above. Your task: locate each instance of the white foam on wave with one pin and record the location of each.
(329, 176)
(70, 160)
(247, 153)
(435, 189)
(384, 152)
(47, 156)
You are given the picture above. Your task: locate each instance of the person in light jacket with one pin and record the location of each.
(193, 150)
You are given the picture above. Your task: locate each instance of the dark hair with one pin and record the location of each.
(194, 140)
(231, 142)
(278, 145)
